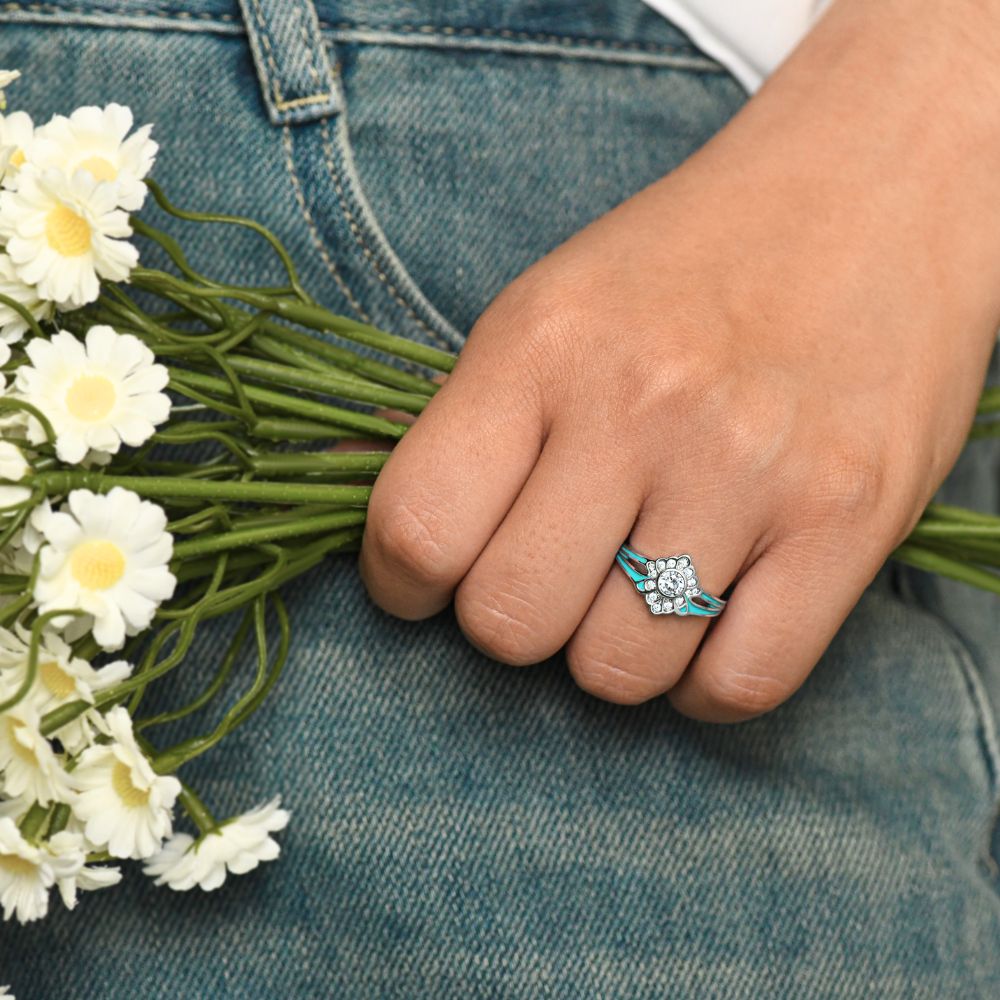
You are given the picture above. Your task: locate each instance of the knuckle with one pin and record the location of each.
(737, 695)
(406, 537)
(504, 626)
(852, 483)
(600, 673)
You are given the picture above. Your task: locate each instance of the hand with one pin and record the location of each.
(769, 359)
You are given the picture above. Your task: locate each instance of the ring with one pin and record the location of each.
(670, 584)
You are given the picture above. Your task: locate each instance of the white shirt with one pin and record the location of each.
(749, 37)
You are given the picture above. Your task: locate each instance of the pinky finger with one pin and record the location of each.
(780, 619)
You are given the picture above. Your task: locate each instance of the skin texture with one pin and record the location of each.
(769, 359)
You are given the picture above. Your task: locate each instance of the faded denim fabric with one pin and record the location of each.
(462, 829)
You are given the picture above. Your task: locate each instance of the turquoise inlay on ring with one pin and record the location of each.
(669, 584)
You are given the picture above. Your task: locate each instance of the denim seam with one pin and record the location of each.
(321, 96)
(694, 63)
(987, 736)
(268, 63)
(679, 56)
(450, 339)
(91, 10)
(509, 34)
(321, 247)
(989, 740)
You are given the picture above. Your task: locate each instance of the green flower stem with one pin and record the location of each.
(61, 813)
(215, 685)
(166, 488)
(303, 463)
(296, 406)
(935, 562)
(33, 821)
(985, 430)
(265, 679)
(990, 400)
(229, 220)
(197, 811)
(241, 538)
(291, 429)
(285, 344)
(307, 314)
(149, 670)
(949, 512)
(315, 317)
(983, 551)
(327, 384)
(955, 529)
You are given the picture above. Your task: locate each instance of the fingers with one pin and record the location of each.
(623, 653)
(446, 487)
(535, 580)
(782, 615)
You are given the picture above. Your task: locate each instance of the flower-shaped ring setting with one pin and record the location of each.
(669, 584)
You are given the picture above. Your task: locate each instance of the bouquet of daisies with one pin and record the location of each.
(165, 461)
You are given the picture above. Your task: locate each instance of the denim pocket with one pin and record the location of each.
(455, 167)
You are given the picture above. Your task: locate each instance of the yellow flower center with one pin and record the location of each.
(121, 782)
(68, 233)
(55, 680)
(100, 168)
(25, 753)
(17, 865)
(16, 158)
(97, 565)
(91, 397)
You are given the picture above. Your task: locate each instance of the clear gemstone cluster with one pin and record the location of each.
(669, 583)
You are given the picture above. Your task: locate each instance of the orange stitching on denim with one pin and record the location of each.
(314, 229)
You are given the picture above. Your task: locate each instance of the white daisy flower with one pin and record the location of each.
(28, 871)
(98, 395)
(5, 992)
(106, 555)
(238, 846)
(16, 134)
(30, 766)
(62, 678)
(25, 876)
(94, 139)
(7, 77)
(123, 803)
(64, 233)
(13, 325)
(13, 468)
(74, 874)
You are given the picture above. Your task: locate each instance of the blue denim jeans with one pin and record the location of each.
(461, 829)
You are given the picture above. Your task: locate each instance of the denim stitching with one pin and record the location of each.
(368, 253)
(232, 23)
(509, 34)
(989, 739)
(181, 15)
(987, 736)
(321, 96)
(272, 77)
(331, 265)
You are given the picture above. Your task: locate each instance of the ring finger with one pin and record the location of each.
(623, 653)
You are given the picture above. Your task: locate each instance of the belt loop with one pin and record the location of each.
(297, 78)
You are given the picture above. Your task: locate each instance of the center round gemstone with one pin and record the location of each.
(671, 583)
